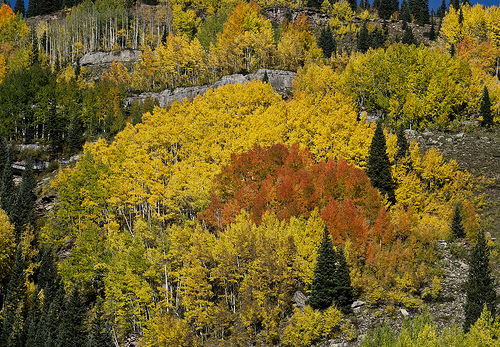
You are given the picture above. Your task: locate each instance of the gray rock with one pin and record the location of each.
(280, 80)
(428, 134)
(404, 312)
(460, 135)
(97, 58)
(299, 299)
(358, 303)
(410, 133)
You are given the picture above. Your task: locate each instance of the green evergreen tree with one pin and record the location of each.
(402, 144)
(457, 229)
(323, 284)
(314, 4)
(72, 330)
(441, 11)
(19, 7)
(452, 50)
(378, 165)
(377, 38)
(480, 285)
(13, 309)
(343, 291)
(354, 5)
(408, 37)
(485, 109)
(363, 39)
(405, 14)
(33, 319)
(24, 213)
(326, 42)
(55, 130)
(455, 4)
(432, 32)
(8, 188)
(3, 153)
(32, 9)
(265, 79)
(100, 329)
(385, 9)
(75, 132)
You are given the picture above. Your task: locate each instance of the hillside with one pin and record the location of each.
(249, 173)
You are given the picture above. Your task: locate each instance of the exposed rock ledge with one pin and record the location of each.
(99, 58)
(280, 80)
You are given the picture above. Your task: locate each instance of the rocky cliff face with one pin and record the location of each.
(280, 80)
(100, 58)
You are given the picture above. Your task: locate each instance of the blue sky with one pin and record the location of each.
(433, 4)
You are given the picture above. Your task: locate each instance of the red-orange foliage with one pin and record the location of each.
(286, 181)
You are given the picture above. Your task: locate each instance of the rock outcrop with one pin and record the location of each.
(100, 58)
(280, 80)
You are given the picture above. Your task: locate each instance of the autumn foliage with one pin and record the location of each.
(286, 180)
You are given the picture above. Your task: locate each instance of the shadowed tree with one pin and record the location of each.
(480, 285)
(485, 109)
(457, 229)
(378, 165)
(323, 284)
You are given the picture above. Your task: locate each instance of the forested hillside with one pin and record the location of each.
(240, 217)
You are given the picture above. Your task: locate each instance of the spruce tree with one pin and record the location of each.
(485, 109)
(24, 213)
(323, 284)
(441, 11)
(402, 144)
(385, 9)
(344, 293)
(8, 188)
(55, 130)
(326, 42)
(354, 5)
(314, 4)
(75, 132)
(480, 285)
(265, 79)
(405, 14)
(457, 229)
(363, 39)
(378, 165)
(72, 330)
(100, 329)
(19, 7)
(455, 4)
(408, 37)
(14, 298)
(432, 32)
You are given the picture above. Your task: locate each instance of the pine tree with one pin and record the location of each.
(72, 331)
(3, 153)
(452, 50)
(408, 37)
(14, 299)
(265, 79)
(326, 42)
(344, 293)
(485, 109)
(19, 7)
(354, 5)
(75, 133)
(441, 11)
(402, 144)
(8, 188)
(32, 10)
(314, 4)
(363, 39)
(378, 165)
(457, 229)
(432, 32)
(405, 14)
(455, 4)
(100, 329)
(54, 125)
(323, 284)
(385, 9)
(24, 213)
(480, 285)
